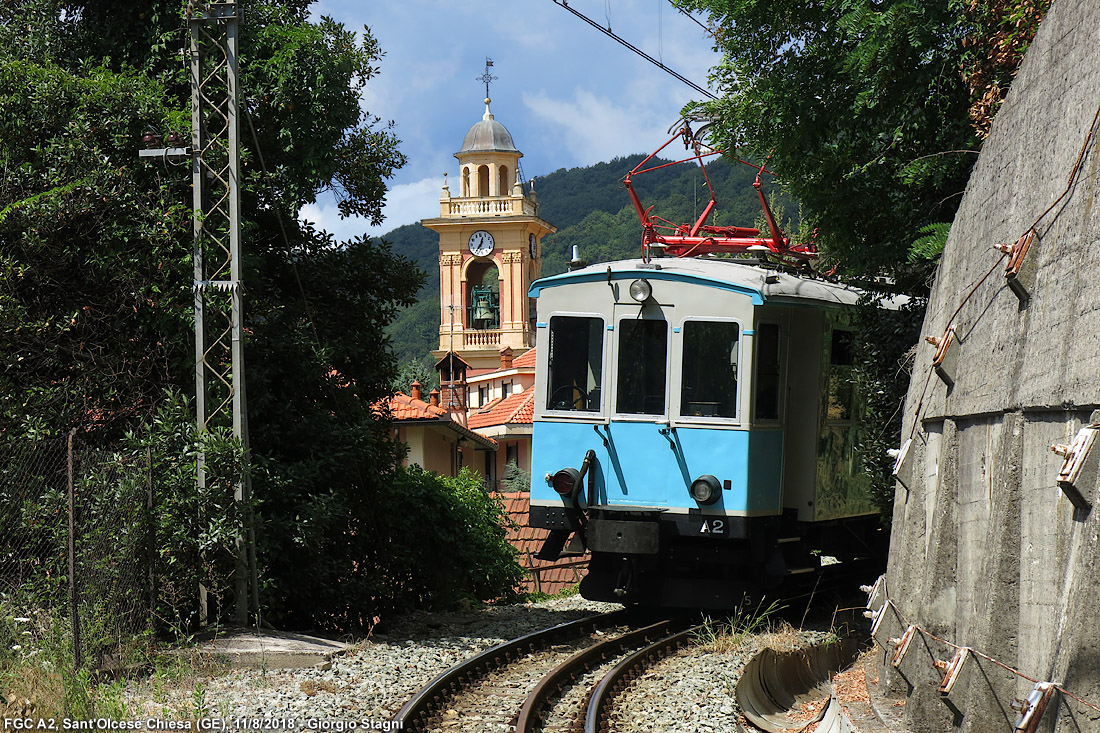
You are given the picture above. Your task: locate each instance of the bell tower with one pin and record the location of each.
(490, 240)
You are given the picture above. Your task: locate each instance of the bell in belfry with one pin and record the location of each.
(483, 310)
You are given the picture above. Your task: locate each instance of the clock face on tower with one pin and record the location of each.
(481, 243)
(533, 245)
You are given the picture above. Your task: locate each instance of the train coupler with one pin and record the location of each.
(625, 579)
(575, 547)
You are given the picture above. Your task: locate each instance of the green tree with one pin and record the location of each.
(97, 244)
(871, 112)
(994, 50)
(95, 265)
(859, 108)
(92, 261)
(429, 542)
(415, 370)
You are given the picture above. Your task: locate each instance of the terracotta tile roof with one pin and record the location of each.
(489, 405)
(527, 360)
(458, 360)
(516, 408)
(404, 407)
(547, 576)
(526, 412)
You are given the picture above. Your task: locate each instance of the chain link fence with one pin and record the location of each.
(77, 550)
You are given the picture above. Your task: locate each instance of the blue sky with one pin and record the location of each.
(569, 95)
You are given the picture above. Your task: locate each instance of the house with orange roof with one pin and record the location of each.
(508, 422)
(503, 402)
(490, 251)
(437, 441)
(512, 376)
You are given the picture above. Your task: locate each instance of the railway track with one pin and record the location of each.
(600, 706)
(563, 678)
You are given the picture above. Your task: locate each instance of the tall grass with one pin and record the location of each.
(727, 634)
(38, 676)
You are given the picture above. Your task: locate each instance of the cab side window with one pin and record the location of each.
(841, 377)
(709, 382)
(767, 371)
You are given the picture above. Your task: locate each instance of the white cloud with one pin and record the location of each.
(593, 128)
(569, 95)
(410, 202)
(406, 203)
(325, 216)
(688, 52)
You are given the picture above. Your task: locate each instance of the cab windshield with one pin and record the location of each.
(709, 382)
(643, 345)
(575, 363)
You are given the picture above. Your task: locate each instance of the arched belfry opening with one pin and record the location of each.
(483, 180)
(503, 182)
(483, 296)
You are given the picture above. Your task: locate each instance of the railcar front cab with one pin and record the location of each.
(690, 418)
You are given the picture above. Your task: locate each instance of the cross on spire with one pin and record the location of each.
(486, 78)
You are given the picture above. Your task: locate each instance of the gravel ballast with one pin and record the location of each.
(363, 687)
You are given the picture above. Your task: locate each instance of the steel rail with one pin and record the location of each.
(615, 681)
(422, 707)
(581, 662)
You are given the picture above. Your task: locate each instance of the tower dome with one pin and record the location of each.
(487, 136)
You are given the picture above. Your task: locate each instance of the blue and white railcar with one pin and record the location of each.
(694, 429)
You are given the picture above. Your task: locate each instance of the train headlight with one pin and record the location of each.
(566, 481)
(640, 290)
(706, 489)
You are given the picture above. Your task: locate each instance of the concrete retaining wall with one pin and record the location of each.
(987, 552)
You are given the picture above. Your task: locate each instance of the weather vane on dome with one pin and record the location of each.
(487, 77)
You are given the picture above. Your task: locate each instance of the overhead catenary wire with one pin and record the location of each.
(619, 39)
(693, 18)
(660, 32)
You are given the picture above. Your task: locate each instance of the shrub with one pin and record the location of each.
(194, 529)
(515, 478)
(422, 541)
(455, 538)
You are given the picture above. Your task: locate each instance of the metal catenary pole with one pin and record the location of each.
(74, 595)
(219, 297)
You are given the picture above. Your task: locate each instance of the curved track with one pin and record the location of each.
(536, 712)
(425, 709)
(564, 678)
(599, 708)
(541, 681)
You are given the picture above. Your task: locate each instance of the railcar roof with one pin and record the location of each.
(741, 275)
